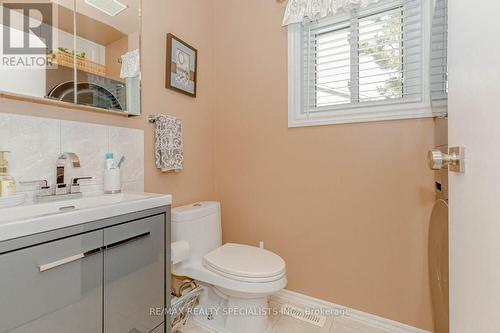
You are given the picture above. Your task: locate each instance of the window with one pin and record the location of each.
(439, 54)
(361, 66)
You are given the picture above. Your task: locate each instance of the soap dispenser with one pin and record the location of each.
(7, 182)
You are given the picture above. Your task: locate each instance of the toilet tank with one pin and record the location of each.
(200, 225)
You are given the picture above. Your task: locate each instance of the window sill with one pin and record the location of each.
(329, 119)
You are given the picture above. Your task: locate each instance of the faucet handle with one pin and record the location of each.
(44, 189)
(74, 181)
(75, 185)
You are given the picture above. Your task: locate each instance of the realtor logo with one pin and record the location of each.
(27, 31)
(27, 27)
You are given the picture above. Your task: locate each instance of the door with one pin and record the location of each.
(474, 122)
(134, 275)
(54, 287)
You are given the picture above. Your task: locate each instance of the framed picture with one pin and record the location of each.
(181, 66)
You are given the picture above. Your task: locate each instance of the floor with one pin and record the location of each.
(286, 324)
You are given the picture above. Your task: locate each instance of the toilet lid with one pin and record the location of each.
(245, 262)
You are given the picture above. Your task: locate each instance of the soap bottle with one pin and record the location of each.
(7, 182)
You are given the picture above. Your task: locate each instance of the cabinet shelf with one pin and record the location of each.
(84, 65)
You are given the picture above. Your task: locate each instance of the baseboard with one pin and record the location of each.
(287, 296)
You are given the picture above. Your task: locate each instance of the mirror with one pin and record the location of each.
(83, 52)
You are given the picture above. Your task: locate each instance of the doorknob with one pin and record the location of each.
(438, 160)
(454, 160)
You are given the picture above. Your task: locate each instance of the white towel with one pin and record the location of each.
(169, 145)
(130, 64)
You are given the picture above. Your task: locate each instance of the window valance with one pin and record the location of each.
(300, 10)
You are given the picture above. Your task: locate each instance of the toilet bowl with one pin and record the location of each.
(237, 278)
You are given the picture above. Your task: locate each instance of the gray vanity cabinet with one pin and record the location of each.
(102, 277)
(133, 275)
(48, 288)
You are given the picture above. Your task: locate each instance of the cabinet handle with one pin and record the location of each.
(46, 267)
(68, 260)
(128, 240)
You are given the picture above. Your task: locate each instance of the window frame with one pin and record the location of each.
(359, 112)
(440, 102)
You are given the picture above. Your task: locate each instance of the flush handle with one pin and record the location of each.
(454, 160)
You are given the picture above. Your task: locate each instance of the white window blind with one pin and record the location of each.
(439, 52)
(369, 57)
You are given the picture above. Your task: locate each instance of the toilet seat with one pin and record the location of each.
(245, 263)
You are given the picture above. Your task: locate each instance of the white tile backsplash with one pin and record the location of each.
(129, 143)
(133, 186)
(90, 143)
(36, 142)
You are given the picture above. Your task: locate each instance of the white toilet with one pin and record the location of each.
(237, 278)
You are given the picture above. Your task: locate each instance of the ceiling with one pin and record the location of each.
(126, 22)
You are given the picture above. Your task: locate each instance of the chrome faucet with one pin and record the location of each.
(61, 190)
(61, 164)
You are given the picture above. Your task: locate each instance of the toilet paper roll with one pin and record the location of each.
(180, 251)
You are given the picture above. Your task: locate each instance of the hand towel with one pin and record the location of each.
(130, 64)
(169, 145)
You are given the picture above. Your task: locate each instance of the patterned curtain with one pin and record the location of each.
(300, 10)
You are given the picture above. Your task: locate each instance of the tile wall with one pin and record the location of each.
(35, 144)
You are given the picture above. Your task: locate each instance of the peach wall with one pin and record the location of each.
(192, 21)
(347, 206)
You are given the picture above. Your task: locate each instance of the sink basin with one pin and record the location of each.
(35, 218)
(56, 207)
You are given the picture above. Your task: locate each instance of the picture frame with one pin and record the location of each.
(181, 69)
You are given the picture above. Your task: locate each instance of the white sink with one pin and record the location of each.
(58, 207)
(35, 218)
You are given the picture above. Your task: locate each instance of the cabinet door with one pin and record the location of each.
(54, 287)
(134, 275)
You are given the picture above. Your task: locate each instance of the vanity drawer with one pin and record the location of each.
(49, 287)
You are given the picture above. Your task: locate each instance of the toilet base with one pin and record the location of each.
(227, 314)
